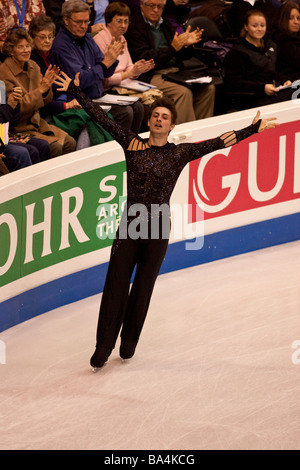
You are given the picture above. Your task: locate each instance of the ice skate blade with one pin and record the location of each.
(97, 369)
(125, 361)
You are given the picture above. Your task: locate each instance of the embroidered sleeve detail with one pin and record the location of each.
(229, 138)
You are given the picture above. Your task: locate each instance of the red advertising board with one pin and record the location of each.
(257, 172)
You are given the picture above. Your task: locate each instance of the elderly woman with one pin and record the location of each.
(64, 112)
(19, 71)
(116, 24)
(42, 32)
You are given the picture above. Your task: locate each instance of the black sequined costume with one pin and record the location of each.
(152, 172)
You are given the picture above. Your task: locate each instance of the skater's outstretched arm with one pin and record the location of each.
(121, 135)
(232, 137)
(257, 125)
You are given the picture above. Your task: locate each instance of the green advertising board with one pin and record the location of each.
(59, 221)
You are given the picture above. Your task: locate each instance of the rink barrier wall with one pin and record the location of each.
(53, 216)
(88, 282)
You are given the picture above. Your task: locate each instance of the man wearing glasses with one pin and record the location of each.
(151, 36)
(78, 52)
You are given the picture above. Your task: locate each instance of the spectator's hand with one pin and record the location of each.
(15, 97)
(193, 36)
(49, 78)
(270, 89)
(96, 28)
(113, 50)
(142, 66)
(268, 123)
(179, 41)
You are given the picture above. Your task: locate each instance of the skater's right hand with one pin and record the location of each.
(64, 81)
(268, 123)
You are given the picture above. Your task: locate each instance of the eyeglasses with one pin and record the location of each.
(45, 38)
(120, 22)
(81, 22)
(152, 6)
(23, 48)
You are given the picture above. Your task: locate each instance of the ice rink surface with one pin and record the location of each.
(216, 366)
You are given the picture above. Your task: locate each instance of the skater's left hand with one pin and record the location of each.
(268, 123)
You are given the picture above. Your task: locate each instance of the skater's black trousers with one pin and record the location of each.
(121, 305)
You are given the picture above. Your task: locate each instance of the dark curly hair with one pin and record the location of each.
(164, 102)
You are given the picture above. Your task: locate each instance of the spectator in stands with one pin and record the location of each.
(19, 70)
(250, 66)
(116, 24)
(18, 14)
(61, 111)
(42, 31)
(16, 156)
(237, 13)
(84, 56)
(99, 7)
(287, 38)
(19, 146)
(53, 9)
(176, 11)
(150, 36)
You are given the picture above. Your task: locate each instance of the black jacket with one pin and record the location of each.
(9, 114)
(141, 45)
(248, 68)
(288, 56)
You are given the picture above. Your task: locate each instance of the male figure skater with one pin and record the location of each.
(153, 167)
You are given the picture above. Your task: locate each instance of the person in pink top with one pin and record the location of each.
(116, 24)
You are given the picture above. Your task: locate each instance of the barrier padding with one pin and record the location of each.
(90, 281)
